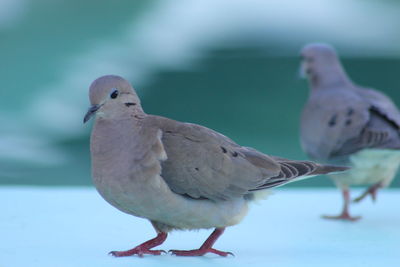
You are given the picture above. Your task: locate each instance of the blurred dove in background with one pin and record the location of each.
(343, 123)
(177, 175)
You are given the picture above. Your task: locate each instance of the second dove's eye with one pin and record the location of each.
(114, 94)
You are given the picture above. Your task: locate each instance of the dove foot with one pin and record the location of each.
(372, 190)
(136, 251)
(199, 252)
(205, 248)
(343, 216)
(144, 248)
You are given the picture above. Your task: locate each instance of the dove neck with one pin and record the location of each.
(107, 133)
(112, 146)
(331, 77)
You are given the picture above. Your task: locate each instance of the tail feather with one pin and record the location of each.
(293, 170)
(330, 169)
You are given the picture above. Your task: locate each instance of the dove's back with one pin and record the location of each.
(337, 122)
(356, 126)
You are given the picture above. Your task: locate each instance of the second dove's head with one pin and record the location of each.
(318, 59)
(112, 97)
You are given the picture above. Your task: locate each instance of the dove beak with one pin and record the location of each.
(302, 71)
(91, 111)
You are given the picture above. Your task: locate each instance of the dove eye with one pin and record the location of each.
(114, 94)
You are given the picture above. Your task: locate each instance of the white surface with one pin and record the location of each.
(75, 227)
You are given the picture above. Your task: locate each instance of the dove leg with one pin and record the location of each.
(144, 248)
(205, 248)
(372, 190)
(345, 215)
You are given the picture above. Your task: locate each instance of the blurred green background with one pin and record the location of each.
(229, 65)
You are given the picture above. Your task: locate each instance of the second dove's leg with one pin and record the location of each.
(144, 248)
(345, 215)
(372, 190)
(205, 248)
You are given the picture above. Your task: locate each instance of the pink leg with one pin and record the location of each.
(144, 248)
(205, 248)
(372, 190)
(345, 215)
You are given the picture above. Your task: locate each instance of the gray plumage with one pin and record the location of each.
(177, 175)
(345, 123)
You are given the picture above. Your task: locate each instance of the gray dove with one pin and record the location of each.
(344, 123)
(179, 176)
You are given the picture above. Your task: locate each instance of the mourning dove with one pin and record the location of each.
(348, 124)
(177, 175)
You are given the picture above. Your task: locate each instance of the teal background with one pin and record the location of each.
(229, 72)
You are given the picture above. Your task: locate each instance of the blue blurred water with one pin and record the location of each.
(189, 60)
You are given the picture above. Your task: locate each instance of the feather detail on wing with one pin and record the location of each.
(203, 164)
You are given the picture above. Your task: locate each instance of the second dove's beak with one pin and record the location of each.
(302, 71)
(91, 111)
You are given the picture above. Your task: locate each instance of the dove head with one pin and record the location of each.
(112, 97)
(321, 66)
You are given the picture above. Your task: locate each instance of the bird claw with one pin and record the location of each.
(358, 199)
(136, 251)
(200, 252)
(372, 191)
(344, 217)
(364, 195)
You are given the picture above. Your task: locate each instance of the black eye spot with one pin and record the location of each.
(197, 169)
(350, 112)
(332, 121)
(114, 94)
(223, 149)
(235, 154)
